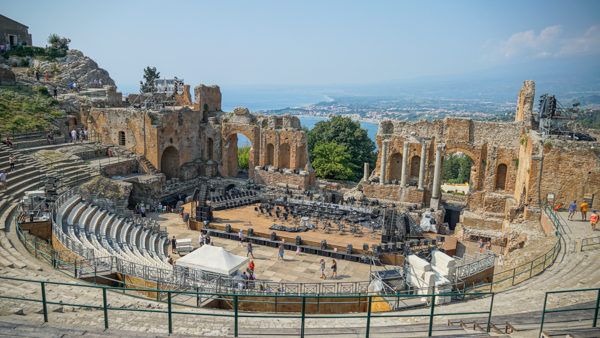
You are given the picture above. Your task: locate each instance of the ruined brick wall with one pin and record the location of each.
(293, 181)
(525, 100)
(488, 144)
(208, 98)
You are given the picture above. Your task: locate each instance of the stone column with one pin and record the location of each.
(383, 161)
(422, 165)
(404, 164)
(366, 172)
(437, 177)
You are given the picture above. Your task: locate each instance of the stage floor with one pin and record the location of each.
(245, 217)
(295, 268)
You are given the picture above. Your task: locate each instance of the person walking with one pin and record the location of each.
(241, 237)
(173, 245)
(281, 251)
(249, 250)
(2, 180)
(251, 267)
(322, 263)
(572, 209)
(11, 162)
(333, 269)
(73, 136)
(583, 207)
(594, 219)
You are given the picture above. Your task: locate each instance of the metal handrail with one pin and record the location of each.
(299, 300)
(596, 308)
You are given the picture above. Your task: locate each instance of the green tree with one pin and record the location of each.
(150, 75)
(243, 157)
(345, 132)
(58, 42)
(457, 168)
(332, 160)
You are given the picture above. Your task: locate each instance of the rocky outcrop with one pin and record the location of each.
(76, 67)
(7, 77)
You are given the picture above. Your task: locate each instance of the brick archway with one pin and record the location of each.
(475, 177)
(169, 162)
(229, 153)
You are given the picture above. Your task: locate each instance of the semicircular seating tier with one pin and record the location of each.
(105, 234)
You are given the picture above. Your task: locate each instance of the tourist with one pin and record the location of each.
(333, 269)
(173, 245)
(249, 250)
(207, 239)
(2, 180)
(201, 239)
(251, 267)
(11, 162)
(46, 76)
(298, 250)
(50, 137)
(241, 237)
(322, 263)
(55, 92)
(85, 134)
(583, 207)
(37, 75)
(73, 136)
(594, 219)
(143, 210)
(480, 244)
(8, 142)
(281, 251)
(572, 209)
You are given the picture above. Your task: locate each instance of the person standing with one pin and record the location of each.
(322, 263)
(241, 237)
(583, 207)
(143, 210)
(251, 267)
(333, 268)
(73, 135)
(173, 245)
(249, 250)
(594, 219)
(11, 161)
(281, 251)
(572, 209)
(2, 180)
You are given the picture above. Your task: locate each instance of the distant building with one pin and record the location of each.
(13, 33)
(169, 86)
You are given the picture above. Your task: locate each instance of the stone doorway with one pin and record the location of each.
(169, 162)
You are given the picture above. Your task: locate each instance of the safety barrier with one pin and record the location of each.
(511, 277)
(595, 308)
(301, 302)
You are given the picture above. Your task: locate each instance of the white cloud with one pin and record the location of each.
(550, 42)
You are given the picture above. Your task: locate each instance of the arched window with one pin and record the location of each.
(501, 177)
(121, 138)
(415, 164)
(284, 155)
(209, 149)
(395, 167)
(270, 154)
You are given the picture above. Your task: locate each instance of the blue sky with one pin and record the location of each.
(315, 43)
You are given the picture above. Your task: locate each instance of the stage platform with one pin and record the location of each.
(246, 218)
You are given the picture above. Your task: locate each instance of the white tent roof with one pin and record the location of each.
(213, 259)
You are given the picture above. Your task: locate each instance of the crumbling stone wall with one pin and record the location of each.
(525, 100)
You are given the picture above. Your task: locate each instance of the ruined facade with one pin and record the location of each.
(514, 168)
(186, 141)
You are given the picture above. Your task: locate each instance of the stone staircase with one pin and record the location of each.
(146, 166)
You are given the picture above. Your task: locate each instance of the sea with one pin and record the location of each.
(270, 99)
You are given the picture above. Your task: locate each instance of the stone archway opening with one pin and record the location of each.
(456, 173)
(169, 162)
(209, 149)
(284, 156)
(237, 155)
(395, 167)
(415, 163)
(270, 154)
(501, 171)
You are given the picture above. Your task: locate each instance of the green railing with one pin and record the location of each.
(590, 243)
(525, 271)
(301, 303)
(595, 308)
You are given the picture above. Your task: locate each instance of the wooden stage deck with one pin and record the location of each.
(245, 218)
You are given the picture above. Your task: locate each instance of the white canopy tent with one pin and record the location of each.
(213, 259)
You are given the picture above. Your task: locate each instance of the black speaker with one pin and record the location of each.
(323, 245)
(250, 232)
(365, 247)
(273, 236)
(298, 240)
(349, 249)
(228, 228)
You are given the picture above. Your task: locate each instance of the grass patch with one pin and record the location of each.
(25, 109)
